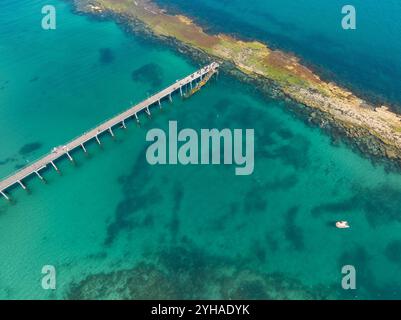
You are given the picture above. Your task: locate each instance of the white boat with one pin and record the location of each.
(342, 224)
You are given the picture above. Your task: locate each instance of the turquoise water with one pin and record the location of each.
(115, 227)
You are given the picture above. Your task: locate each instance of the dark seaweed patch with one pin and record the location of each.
(271, 242)
(148, 221)
(178, 195)
(264, 135)
(138, 197)
(252, 289)
(150, 73)
(285, 133)
(380, 205)
(106, 56)
(222, 105)
(359, 258)
(254, 201)
(290, 153)
(7, 160)
(98, 256)
(259, 250)
(393, 251)
(174, 224)
(334, 207)
(292, 232)
(186, 272)
(284, 183)
(34, 79)
(222, 218)
(125, 214)
(29, 148)
(4, 85)
(284, 25)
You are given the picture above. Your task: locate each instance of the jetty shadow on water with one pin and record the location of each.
(138, 195)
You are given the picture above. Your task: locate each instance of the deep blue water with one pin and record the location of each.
(367, 59)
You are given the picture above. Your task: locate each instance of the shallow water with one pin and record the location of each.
(174, 231)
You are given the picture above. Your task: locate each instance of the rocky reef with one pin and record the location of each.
(185, 272)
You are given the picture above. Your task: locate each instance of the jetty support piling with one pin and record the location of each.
(83, 148)
(5, 196)
(136, 117)
(21, 184)
(97, 139)
(111, 132)
(147, 111)
(69, 156)
(39, 175)
(54, 166)
(160, 104)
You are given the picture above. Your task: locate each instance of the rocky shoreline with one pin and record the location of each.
(359, 137)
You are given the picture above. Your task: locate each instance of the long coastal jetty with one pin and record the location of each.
(192, 80)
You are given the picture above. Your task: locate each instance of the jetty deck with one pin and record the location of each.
(79, 142)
